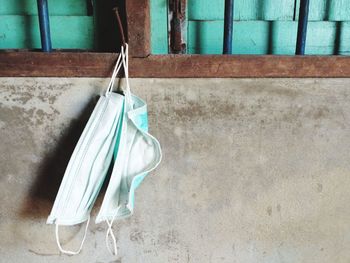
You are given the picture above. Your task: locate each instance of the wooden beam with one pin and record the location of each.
(57, 64)
(138, 21)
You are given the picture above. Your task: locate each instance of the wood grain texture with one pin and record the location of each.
(178, 25)
(68, 32)
(270, 10)
(243, 10)
(29, 64)
(327, 10)
(159, 26)
(318, 10)
(56, 7)
(263, 37)
(338, 10)
(138, 20)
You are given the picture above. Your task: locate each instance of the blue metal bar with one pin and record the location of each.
(302, 27)
(228, 26)
(44, 23)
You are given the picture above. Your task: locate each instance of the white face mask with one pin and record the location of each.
(137, 153)
(88, 165)
(118, 124)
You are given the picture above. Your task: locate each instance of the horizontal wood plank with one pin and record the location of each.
(29, 7)
(270, 10)
(66, 32)
(243, 10)
(264, 37)
(57, 64)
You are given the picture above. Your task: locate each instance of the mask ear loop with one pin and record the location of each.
(125, 61)
(117, 67)
(111, 234)
(68, 252)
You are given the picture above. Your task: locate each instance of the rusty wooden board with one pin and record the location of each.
(23, 64)
(178, 26)
(138, 21)
(56, 64)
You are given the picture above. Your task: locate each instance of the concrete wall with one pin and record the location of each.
(253, 171)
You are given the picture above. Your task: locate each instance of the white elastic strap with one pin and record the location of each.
(117, 67)
(115, 75)
(115, 72)
(81, 245)
(111, 234)
(125, 61)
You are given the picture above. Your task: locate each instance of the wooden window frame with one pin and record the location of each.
(144, 65)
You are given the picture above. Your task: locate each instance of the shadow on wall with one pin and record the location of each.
(43, 191)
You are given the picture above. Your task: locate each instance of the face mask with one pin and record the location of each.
(136, 154)
(117, 125)
(89, 163)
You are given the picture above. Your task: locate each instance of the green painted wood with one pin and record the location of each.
(339, 10)
(249, 37)
(185, 29)
(67, 32)
(159, 26)
(243, 10)
(333, 10)
(327, 10)
(317, 10)
(56, 7)
(262, 37)
(278, 9)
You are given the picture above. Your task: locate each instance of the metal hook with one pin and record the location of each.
(120, 25)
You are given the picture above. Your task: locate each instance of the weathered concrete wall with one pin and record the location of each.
(253, 171)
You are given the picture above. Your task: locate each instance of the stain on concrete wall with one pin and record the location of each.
(254, 170)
